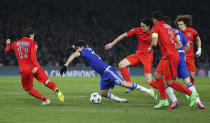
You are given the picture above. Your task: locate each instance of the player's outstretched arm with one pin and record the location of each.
(8, 46)
(198, 53)
(70, 59)
(119, 38)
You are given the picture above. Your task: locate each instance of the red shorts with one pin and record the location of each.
(190, 63)
(168, 68)
(27, 78)
(145, 61)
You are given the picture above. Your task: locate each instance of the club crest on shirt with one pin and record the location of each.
(188, 34)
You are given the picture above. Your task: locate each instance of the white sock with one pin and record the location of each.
(141, 88)
(113, 97)
(171, 94)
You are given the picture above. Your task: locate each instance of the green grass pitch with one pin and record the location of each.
(16, 106)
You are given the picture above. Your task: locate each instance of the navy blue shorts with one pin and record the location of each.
(110, 78)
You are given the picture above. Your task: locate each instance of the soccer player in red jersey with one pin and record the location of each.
(183, 22)
(167, 67)
(144, 34)
(25, 50)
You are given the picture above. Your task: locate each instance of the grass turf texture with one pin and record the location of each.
(16, 106)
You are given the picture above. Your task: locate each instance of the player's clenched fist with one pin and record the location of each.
(8, 41)
(63, 69)
(108, 46)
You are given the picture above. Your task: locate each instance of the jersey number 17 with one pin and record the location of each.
(20, 50)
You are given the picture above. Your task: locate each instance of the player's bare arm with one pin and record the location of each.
(198, 53)
(187, 47)
(8, 42)
(119, 38)
(70, 59)
(178, 43)
(154, 41)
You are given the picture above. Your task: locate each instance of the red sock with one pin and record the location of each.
(179, 87)
(36, 94)
(51, 85)
(161, 88)
(125, 74)
(154, 84)
(192, 80)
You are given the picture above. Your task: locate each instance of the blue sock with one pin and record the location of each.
(134, 86)
(189, 85)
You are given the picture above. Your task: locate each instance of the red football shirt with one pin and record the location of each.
(190, 34)
(166, 40)
(144, 41)
(25, 51)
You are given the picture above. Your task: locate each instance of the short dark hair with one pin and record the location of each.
(157, 15)
(167, 19)
(80, 43)
(187, 19)
(28, 31)
(147, 22)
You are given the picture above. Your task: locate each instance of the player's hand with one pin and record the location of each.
(198, 53)
(149, 49)
(109, 46)
(8, 41)
(63, 69)
(34, 70)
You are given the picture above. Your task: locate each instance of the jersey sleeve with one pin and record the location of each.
(155, 31)
(195, 34)
(33, 54)
(132, 32)
(83, 52)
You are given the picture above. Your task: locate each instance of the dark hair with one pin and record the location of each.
(157, 15)
(28, 31)
(80, 43)
(167, 19)
(187, 19)
(147, 22)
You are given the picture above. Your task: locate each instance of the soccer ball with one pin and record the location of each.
(95, 97)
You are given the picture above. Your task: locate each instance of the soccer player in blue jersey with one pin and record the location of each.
(182, 69)
(108, 75)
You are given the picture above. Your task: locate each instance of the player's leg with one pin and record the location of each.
(130, 60)
(41, 76)
(27, 83)
(191, 68)
(161, 87)
(172, 97)
(170, 73)
(193, 89)
(192, 76)
(136, 86)
(107, 94)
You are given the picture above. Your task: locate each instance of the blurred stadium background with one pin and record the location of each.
(58, 23)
